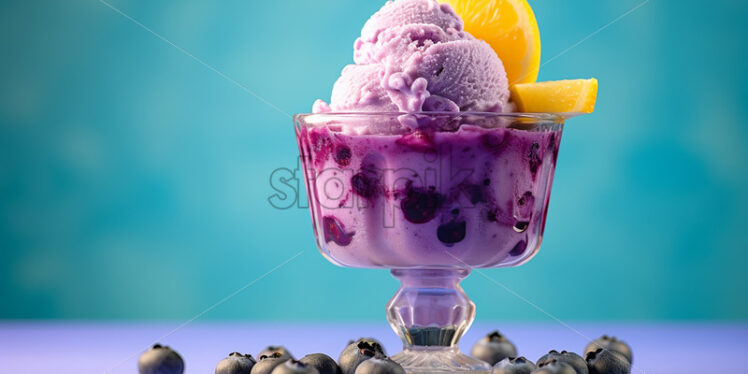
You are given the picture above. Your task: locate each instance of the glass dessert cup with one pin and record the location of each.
(429, 196)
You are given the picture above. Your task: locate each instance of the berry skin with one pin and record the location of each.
(160, 360)
(514, 365)
(269, 350)
(554, 367)
(342, 155)
(519, 248)
(379, 365)
(268, 363)
(570, 358)
(525, 206)
(365, 185)
(294, 367)
(493, 348)
(357, 352)
(451, 232)
(322, 362)
(236, 363)
(367, 182)
(533, 158)
(604, 361)
(335, 232)
(612, 344)
(420, 204)
(321, 143)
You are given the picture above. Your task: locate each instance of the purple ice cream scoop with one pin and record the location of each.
(412, 56)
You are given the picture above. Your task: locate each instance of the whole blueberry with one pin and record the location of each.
(269, 350)
(612, 344)
(570, 358)
(603, 361)
(365, 185)
(160, 360)
(358, 352)
(367, 182)
(294, 367)
(236, 363)
(266, 364)
(379, 365)
(421, 204)
(514, 365)
(322, 362)
(554, 367)
(493, 348)
(451, 232)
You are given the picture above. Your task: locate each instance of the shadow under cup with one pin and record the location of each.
(428, 190)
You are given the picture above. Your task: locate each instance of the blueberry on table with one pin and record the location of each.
(357, 352)
(603, 361)
(570, 358)
(267, 363)
(493, 348)
(514, 365)
(612, 344)
(554, 367)
(236, 363)
(322, 362)
(379, 365)
(269, 350)
(294, 367)
(160, 360)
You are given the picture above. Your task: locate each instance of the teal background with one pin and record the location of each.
(134, 181)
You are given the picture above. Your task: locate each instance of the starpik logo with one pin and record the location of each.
(430, 180)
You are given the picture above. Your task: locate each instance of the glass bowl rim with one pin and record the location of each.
(545, 117)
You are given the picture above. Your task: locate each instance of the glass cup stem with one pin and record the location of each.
(430, 312)
(430, 308)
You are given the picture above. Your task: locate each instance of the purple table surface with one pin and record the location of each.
(113, 347)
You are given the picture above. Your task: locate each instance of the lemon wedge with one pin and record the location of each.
(574, 96)
(509, 26)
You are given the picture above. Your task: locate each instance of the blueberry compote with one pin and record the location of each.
(434, 195)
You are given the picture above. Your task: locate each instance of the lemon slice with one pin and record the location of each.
(509, 26)
(566, 96)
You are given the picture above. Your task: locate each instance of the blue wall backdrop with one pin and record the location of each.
(134, 181)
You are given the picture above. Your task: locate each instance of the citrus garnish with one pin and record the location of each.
(565, 96)
(509, 26)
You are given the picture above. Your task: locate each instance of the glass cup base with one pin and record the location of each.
(439, 360)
